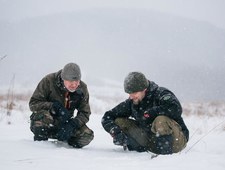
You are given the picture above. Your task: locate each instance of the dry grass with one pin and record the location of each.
(209, 109)
(18, 97)
(17, 103)
(101, 103)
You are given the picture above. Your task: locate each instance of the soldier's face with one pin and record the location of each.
(71, 85)
(137, 96)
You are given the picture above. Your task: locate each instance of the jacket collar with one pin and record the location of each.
(151, 89)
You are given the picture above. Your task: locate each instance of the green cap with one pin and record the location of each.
(135, 82)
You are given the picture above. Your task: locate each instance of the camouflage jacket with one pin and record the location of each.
(157, 101)
(51, 89)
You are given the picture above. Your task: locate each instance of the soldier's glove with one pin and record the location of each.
(60, 111)
(67, 130)
(119, 138)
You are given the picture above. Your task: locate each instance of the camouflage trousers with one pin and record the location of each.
(161, 126)
(44, 126)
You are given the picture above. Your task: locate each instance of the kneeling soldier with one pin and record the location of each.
(150, 120)
(53, 103)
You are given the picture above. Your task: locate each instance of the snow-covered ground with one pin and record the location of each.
(205, 150)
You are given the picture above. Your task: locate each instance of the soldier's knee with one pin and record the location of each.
(42, 118)
(81, 138)
(125, 124)
(40, 122)
(162, 126)
(86, 138)
(120, 121)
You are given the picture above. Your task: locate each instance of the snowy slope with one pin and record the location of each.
(19, 151)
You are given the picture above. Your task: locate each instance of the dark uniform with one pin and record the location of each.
(46, 124)
(155, 124)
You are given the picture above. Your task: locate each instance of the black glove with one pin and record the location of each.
(66, 130)
(60, 111)
(119, 138)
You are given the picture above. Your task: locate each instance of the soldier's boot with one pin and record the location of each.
(40, 138)
(40, 134)
(164, 144)
(40, 123)
(132, 145)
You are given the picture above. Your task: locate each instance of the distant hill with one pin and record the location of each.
(185, 55)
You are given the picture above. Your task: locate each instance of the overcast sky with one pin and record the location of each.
(109, 42)
(207, 10)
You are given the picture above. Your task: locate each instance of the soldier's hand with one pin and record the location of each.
(60, 111)
(119, 138)
(66, 130)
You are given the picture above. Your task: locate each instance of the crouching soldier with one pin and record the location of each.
(150, 120)
(53, 104)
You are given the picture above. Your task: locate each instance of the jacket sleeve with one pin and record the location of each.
(39, 99)
(121, 110)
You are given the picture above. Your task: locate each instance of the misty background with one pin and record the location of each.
(177, 44)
